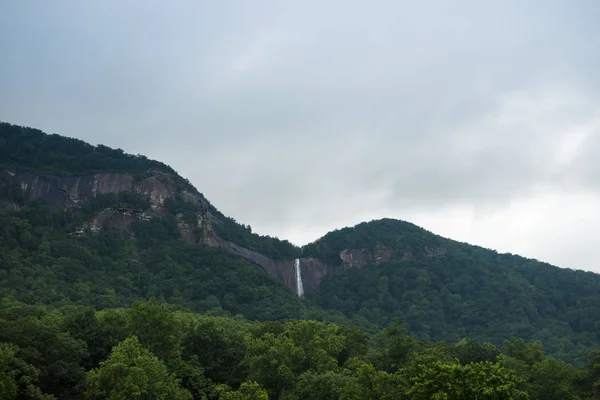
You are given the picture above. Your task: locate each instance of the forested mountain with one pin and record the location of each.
(88, 234)
(74, 236)
(446, 290)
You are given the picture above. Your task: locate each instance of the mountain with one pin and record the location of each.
(447, 290)
(94, 226)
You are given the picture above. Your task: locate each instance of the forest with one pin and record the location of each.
(157, 351)
(143, 314)
(468, 291)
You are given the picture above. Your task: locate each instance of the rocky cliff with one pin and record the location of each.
(72, 192)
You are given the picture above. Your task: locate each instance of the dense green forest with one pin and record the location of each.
(34, 150)
(468, 291)
(437, 320)
(42, 263)
(154, 351)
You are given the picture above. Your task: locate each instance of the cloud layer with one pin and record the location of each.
(477, 120)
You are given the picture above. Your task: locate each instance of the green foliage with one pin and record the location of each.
(219, 347)
(553, 380)
(400, 235)
(368, 383)
(40, 263)
(326, 385)
(32, 149)
(277, 249)
(45, 346)
(155, 327)
(458, 291)
(8, 384)
(75, 352)
(481, 380)
(247, 391)
(74, 323)
(188, 210)
(132, 372)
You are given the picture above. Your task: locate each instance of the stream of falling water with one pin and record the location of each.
(299, 288)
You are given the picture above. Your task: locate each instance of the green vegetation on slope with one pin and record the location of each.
(466, 292)
(70, 326)
(150, 351)
(274, 248)
(396, 235)
(40, 262)
(33, 150)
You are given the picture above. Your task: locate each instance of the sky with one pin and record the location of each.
(479, 121)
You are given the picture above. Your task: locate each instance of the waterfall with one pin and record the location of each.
(299, 288)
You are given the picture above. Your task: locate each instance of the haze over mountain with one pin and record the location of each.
(477, 120)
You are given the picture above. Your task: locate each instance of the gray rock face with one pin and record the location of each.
(64, 192)
(72, 191)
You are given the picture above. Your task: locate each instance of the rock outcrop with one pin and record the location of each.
(65, 192)
(434, 251)
(313, 270)
(352, 258)
(62, 192)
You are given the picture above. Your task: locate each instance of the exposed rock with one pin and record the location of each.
(71, 191)
(186, 232)
(100, 184)
(283, 270)
(352, 258)
(355, 258)
(434, 251)
(111, 219)
(382, 255)
(312, 271)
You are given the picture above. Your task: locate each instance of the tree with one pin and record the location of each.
(275, 360)
(8, 385)
(468, 351)
(594, 373)
(131, 372)
(155, 327)
(247, 391)
(367, 383)
(321, 386)
(270, 360)
(481, 380)
(552, 380)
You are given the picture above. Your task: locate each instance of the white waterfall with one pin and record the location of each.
(299, 288)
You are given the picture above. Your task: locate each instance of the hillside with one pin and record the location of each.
(446, 290)
(92, 226)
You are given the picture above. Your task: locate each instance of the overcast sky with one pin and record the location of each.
(478, 120)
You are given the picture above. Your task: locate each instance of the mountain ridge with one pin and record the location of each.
(159, 167)
(163, 229)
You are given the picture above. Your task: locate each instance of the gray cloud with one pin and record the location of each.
(297, 117)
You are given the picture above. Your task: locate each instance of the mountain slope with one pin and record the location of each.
(94, 226)
(446, 290)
